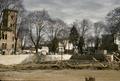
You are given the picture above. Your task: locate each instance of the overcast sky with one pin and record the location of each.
(70, 10)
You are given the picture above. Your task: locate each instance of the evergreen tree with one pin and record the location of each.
(74, 36)
(54, 45)
(81, 45)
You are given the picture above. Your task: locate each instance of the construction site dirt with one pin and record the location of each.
(59, 75)
(59, 71)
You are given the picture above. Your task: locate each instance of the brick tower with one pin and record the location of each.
(7, 31)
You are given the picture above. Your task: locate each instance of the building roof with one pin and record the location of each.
(10, 10)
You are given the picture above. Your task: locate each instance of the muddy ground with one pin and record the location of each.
(60, 75)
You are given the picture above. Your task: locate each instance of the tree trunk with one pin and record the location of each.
(36, 48)
(81, 45)
(97, 44)
(37, 54)
(15, 48)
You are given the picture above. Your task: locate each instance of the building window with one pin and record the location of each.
(12, 17)
(12, 45)
(2, 35)
(11, 25)
(6, 36)
(4, 45)
(3, 52)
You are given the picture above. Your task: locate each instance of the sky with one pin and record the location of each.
(71, 10)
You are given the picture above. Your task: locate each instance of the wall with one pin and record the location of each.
(55, 57)
(28, 58)
(13, 59)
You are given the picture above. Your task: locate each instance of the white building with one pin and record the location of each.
(65, 45)
(117, 40)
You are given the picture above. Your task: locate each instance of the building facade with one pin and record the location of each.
(8, 31)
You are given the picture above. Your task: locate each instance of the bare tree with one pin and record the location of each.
(98, 31)
(36, 26)
(54, 28)
(63, 33)
(113, 21)
(54, 31)
(37, 36)
(83, 28)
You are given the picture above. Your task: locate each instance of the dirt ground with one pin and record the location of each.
(60, 75)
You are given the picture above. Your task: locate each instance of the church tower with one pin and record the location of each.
(8, 31)
(9, 19)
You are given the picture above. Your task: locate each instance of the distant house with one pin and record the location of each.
(117, 40)
(44, 50)
(61, 47)
(65, 46)
(108, 43)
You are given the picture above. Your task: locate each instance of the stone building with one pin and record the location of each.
(7, 31)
